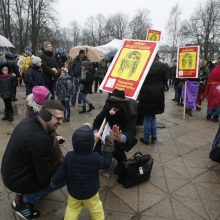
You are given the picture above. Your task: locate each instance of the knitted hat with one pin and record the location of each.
(40, 94)
(35, 60)
(117, 96)
(28, 48)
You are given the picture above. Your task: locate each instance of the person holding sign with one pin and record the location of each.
(151, 99)
(121, 123)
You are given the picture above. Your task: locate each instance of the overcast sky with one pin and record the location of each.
(79, 10)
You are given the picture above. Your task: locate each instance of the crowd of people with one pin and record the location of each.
(33, 164)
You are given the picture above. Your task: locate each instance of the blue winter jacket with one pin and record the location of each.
(81, 167)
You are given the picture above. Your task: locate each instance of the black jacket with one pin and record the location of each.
(6, 84)
(75, 68)
(49, 62)
(28, 161)
(81, 167)
(151, 96)
(128, 126)
(86, 81)
(34, 77)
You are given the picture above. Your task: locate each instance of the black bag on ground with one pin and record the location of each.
(215, 152)
(136, 170)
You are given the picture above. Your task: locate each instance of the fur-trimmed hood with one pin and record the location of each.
(31, 103)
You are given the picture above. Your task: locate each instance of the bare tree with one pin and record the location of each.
(75, 32)
(139, 24)
(173, 27)
(41, 16)
(116, 26)
(5, 15)
(100, 23)
(203, 27)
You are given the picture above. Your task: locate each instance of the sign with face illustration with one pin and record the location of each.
(188, 62)
(130, 67)
(153, 35)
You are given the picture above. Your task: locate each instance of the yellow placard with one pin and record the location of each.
(130, 64)
(153, 36)
(187, 61)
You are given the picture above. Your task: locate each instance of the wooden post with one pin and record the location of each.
(184, 110)
(101, 130)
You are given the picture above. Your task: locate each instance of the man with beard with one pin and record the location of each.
(121, 122)
(32, 157)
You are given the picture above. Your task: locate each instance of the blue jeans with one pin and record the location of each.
(34, 197)
(84, 98)
(150, 127)
(75, 90)
(66, 104)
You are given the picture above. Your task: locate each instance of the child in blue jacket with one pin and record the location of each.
(80, 170)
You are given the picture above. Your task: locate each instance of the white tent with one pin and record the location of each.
(111, 46)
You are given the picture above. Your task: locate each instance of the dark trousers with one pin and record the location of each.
(8, 106)
(66, 104)
(98, 82)
(118, 153)
(51, 88)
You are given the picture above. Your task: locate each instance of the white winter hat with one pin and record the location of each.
(35, 60)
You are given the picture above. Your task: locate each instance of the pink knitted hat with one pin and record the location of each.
(40, 94)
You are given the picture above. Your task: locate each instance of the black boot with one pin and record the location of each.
(11, 117)
(6, 116)
(215, 118)
(91, 107)
(83, 110)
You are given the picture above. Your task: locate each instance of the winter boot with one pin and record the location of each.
(83, 110)
(91, 107)
(6, 116)
(11, 117)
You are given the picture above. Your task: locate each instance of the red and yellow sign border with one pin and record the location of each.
(154, 32)
(131, 87)
(188, 73)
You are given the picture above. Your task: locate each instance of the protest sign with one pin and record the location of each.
(130, 67)
(153, 35)
(187, 62)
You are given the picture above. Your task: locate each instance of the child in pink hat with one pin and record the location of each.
(36, 99)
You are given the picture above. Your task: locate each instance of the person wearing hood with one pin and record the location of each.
(34, 76)
(49, 67)
(64, 90)
(11, 61)
(6, 90)
(86, 80)
(80, 170)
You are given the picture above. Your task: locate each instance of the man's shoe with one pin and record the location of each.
(24, 210)
(153, 140)
(91, 107)
(215, 118)
(189, 114)
(143, 141)
(198, 108)
(83, 110)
